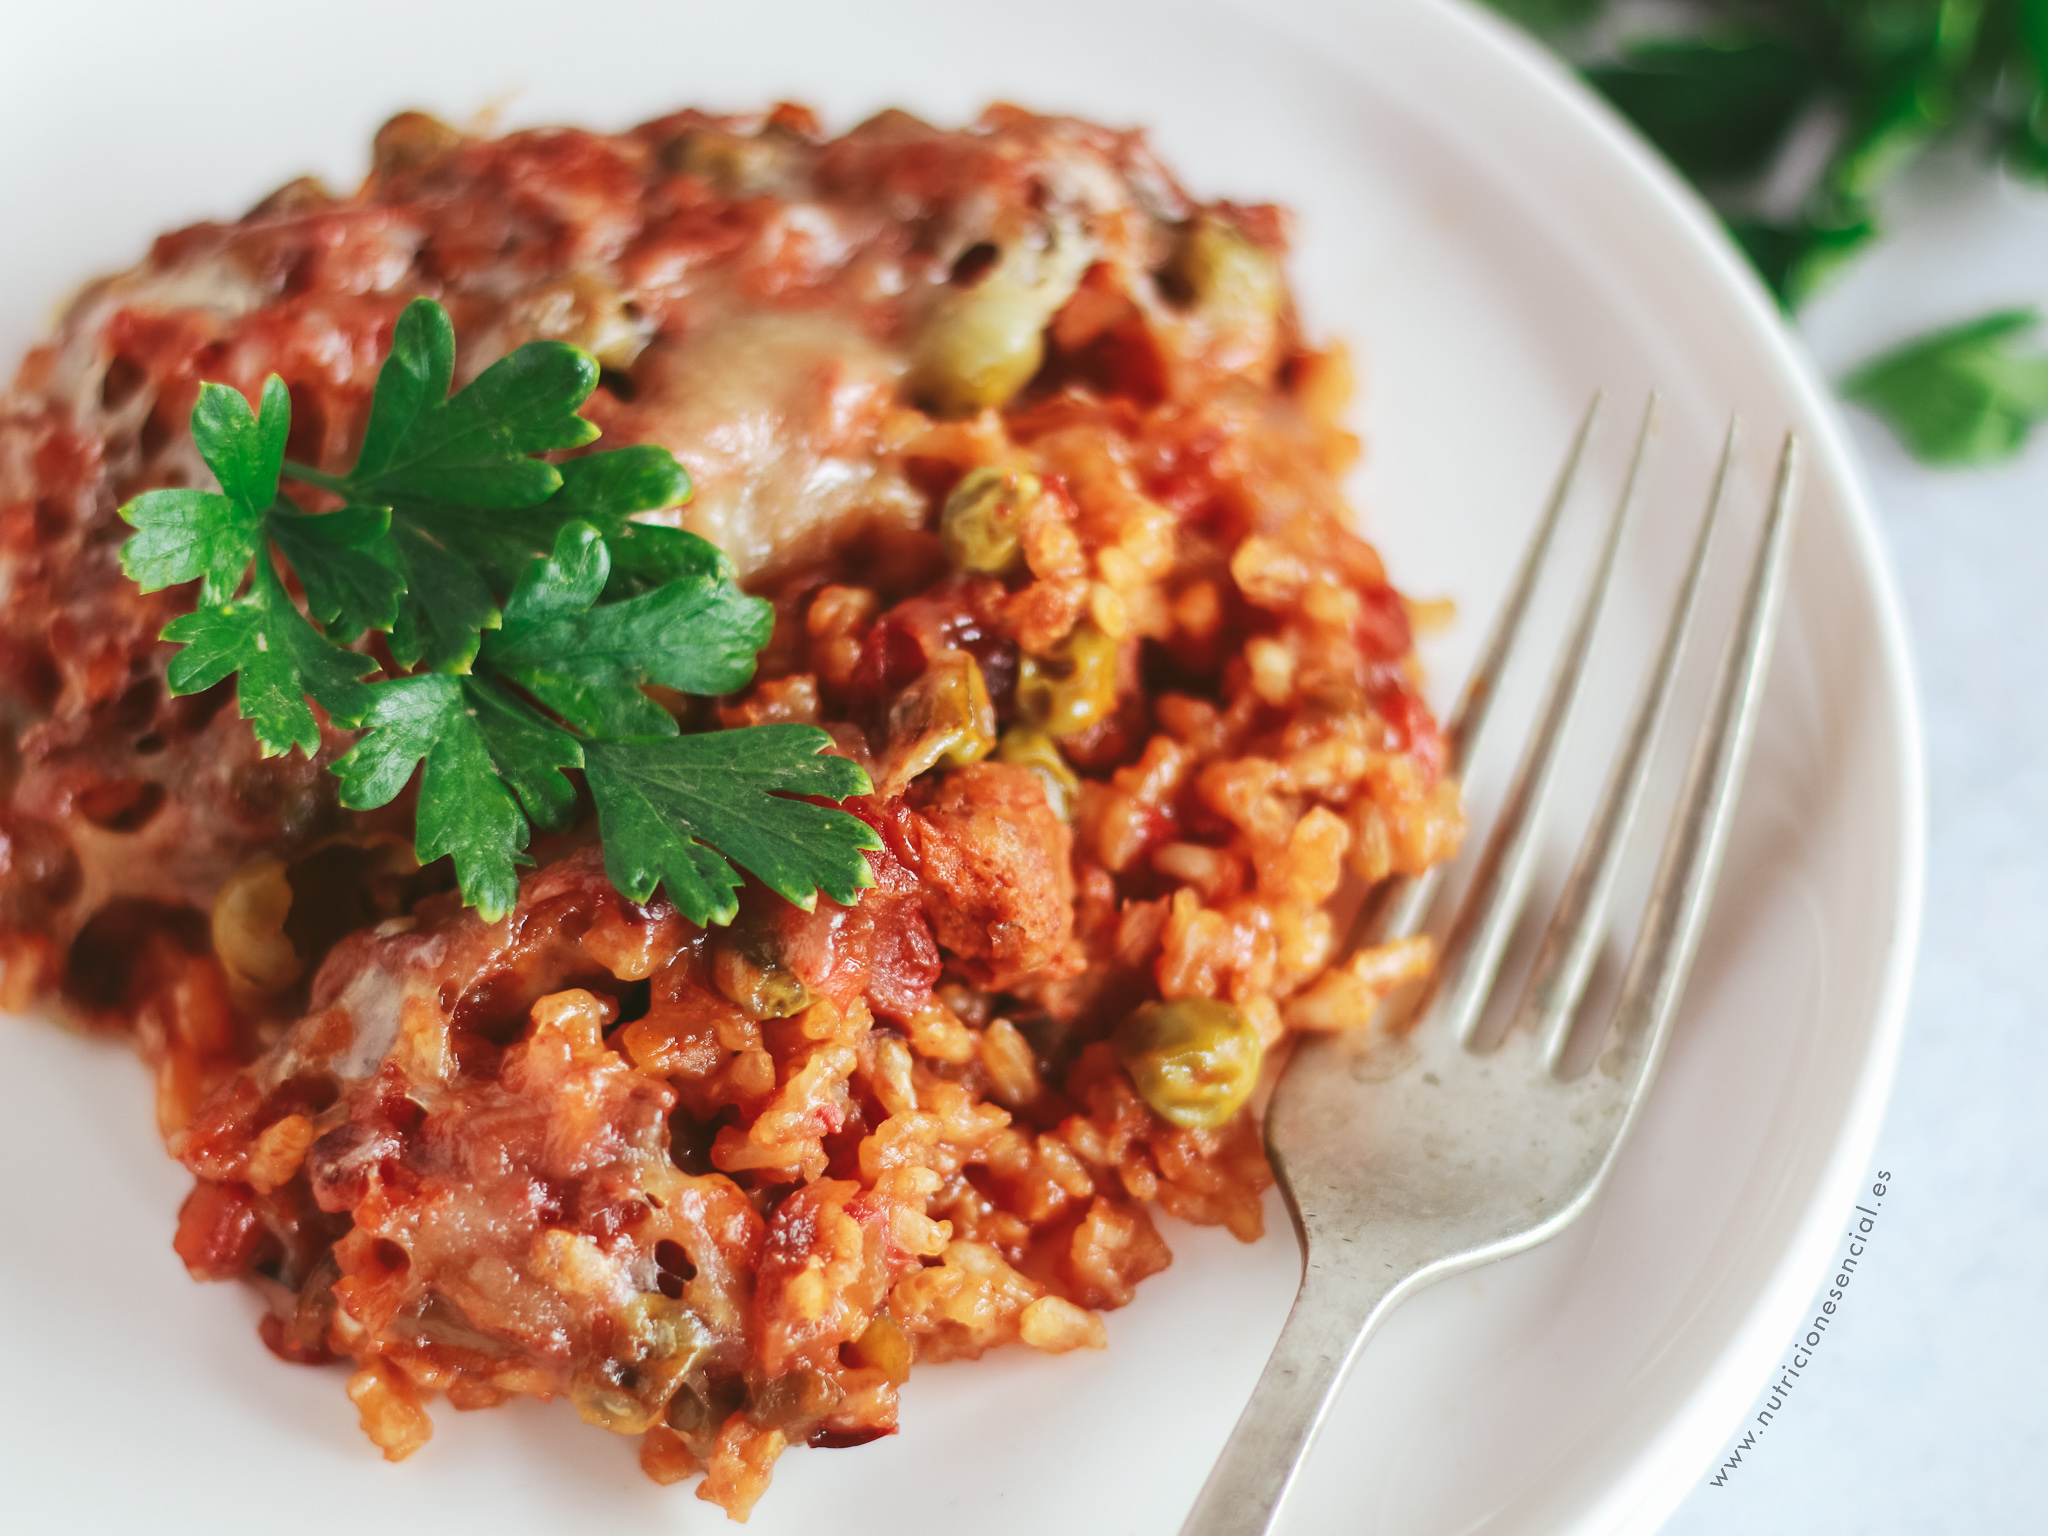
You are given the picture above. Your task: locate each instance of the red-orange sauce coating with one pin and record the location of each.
(722, 1189)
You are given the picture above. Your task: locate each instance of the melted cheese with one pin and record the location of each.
(774, 413)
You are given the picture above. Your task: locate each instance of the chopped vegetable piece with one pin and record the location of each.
(981, 524)
(1074, 687)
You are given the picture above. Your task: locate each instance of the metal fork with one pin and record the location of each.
(1409, 1156)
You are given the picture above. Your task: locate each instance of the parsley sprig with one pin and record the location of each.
(524, 611)
(1728, 88)
(1720, 86)
(1963, 395)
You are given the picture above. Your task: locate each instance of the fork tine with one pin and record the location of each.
(1398, 1177)
(1564, 960)
(1475, 701)
(1676, 913)
(1500, 879)
(1399, 907)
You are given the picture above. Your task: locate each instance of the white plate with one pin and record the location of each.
(1493, 246)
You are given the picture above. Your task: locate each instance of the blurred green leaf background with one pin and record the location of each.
(1792, 116)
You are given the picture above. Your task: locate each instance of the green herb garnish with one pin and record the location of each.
(1878, 80)
(1963, 395)
(524, 610)
(1718, 105)
(1722, 87)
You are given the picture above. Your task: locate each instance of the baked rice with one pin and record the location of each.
(1031, 455)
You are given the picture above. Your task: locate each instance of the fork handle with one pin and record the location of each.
(1334, 1314)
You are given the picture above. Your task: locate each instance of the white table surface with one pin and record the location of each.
(1925, 1408)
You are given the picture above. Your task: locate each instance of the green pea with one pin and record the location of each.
(754, 980)
(1073, 687)
(1041, 754)
(944, 719)
(701, 1405)
(735, 165)
(979, 349)
(979, 345)
(980, 524)
(796, 1401)
(1194, 1060)
(667, 1346)
(1229, 279)
(885, 1347)
(967, 702)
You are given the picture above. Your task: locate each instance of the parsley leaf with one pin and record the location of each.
(480, 747)
(183, 535)
(1797, 257)
(350, 586)
(1722, 87)
(447, 603)
(244, 450)
(217, 540)
(280, 659)
(1962, 395)
(1728, 89)
(469, 507)
(659, 803)
(201, 536)
(620, 481)
(605, 489)
(696, 633)
(526, 612)
(445, 470)
(471, 447)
